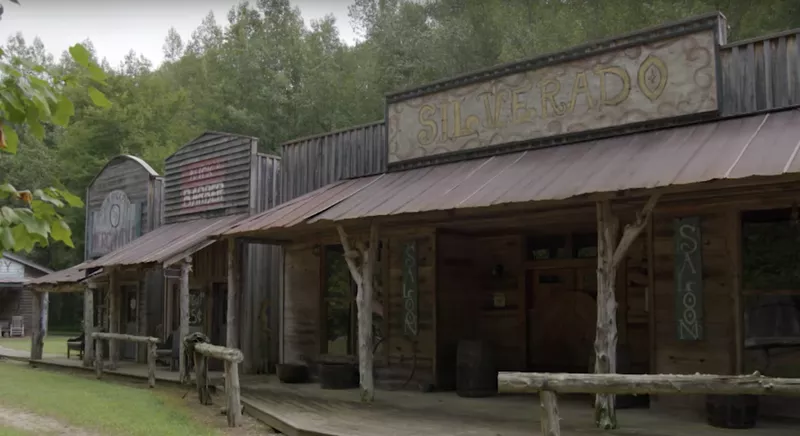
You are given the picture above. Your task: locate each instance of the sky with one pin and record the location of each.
(117, 26)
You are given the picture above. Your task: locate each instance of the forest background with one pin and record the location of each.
(269, 74)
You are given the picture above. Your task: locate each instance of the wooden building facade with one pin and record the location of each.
(123, 202)
(16, 300)
(209, 182)
(665, 158)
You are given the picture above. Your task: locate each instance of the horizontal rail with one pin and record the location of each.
(124, 337)
(643, 384)
(223, 353)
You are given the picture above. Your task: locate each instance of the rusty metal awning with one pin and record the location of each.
(756, 145)
(64, 280)
(167, 244)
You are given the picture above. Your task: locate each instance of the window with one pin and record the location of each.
(339, 293)
(771, 275)
(569, 246)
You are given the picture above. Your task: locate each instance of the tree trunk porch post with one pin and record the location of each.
(363, 277)
(183, 330)
(234, 265)
(113, 317)
(611, 253)
(37, 335)
(88, 326)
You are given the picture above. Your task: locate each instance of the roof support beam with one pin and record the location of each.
(363, 275)
(611, 253)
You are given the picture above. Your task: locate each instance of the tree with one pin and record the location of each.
(31, 96)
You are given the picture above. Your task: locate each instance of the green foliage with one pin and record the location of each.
(32, 97)
(268, 74)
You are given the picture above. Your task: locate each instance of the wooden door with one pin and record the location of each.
(130, 319)
(561, 318)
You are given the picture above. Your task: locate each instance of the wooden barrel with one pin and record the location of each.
(476, 374)
(292, 373)
(338, 376)
(732, 411)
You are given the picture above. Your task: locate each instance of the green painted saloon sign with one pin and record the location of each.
(688, 279)
(410, 289)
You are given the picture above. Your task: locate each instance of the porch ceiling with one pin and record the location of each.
(166, 244)
(736, 148)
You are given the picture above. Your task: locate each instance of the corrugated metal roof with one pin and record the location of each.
(164, 243)
(65, 276)
(757, 145)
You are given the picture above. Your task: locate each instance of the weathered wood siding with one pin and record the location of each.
(760, 74)
(301, 305)
(139, 183)
(209, 176)
(311, 163)
(260, 277)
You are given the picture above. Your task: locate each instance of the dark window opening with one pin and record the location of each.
(339, 293)
(771, 275)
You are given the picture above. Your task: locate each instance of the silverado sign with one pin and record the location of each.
(654, 80)
(114, 225)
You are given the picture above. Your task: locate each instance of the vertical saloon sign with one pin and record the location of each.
(689, 279)
(654, 79)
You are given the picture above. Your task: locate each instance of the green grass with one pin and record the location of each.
(53, 344)
(11, 431)
(79, 400)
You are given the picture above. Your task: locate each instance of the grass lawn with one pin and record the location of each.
(78, 400)
(54, 343)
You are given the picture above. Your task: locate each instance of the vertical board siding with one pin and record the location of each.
(760, 74)
(131, 176)
(314, 162)
(227, 159)
(260, 277)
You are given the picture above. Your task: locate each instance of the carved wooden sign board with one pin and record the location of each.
(633, 79)
(117, 222)
(689, 279)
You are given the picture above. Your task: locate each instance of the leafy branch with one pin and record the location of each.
(31, 96)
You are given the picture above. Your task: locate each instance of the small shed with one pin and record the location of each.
(15, 298)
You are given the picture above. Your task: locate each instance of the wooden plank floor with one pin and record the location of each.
(305, 410)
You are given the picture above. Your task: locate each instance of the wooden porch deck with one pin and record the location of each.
(124, 368)
(307, 410)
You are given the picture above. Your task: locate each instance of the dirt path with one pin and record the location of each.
(38, 424)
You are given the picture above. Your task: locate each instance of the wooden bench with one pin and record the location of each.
(77, 344)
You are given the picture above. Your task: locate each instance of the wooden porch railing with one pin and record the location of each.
(152, 344)
(548, 385)
(232, 357)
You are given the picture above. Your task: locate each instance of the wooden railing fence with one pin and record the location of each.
(232, 357)
(548, 385)
(152, 344)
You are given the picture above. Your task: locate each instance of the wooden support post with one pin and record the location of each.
(610, 255)
(98, 360)
(88, 326)
(113, 317)
(551, 425)
(234, 262)
(183, 330)
(363, 277)
(37, 339)
(151, 364)
(201, 378)
(233, 393)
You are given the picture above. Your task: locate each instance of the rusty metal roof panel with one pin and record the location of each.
(763, 144)
(165, 242)
(72, 274)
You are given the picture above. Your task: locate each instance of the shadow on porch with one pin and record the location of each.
(305, 409)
